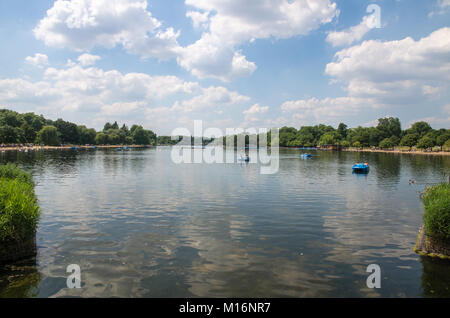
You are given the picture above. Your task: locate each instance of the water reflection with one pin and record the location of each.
(141, 226)
(435, 277)
(20, 280)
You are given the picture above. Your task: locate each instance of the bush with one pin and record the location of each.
(19, 212)
(12, 171)
(436, 201)
(386, 143)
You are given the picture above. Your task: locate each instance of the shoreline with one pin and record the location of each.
(36, 148)
(406, 152)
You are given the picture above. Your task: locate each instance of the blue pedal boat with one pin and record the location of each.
(306, 156)
(361, 168)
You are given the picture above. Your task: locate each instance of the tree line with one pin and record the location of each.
(387, 134)
(29, 128)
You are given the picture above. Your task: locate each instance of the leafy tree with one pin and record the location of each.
(115, 125)
(409, 140)
(48, 136)
(330, 138)
(107, 126)
(420, 128)
(342, 130)
(68, 132)
(447, 144)
(114, 139)
(8, 134)
(389, 127)
(140, 136)
(444, 135)
(28, 133)
(129, 140)
(425, 143)
(87, 136)
(386, 143)
(101, 139)
(345, 144)
(357, 144)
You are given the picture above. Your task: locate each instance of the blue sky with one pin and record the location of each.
(254, 63)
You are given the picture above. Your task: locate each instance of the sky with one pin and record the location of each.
(234, 63)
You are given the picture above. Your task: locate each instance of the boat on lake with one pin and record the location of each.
(306, 156)
(361, 167)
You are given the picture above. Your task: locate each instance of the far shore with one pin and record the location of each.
(410, 152)
(352, 149)
(65, 147)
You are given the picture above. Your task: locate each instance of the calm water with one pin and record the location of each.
(140, 226)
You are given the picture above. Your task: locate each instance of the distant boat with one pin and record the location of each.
(119, 149)
(306, 156)
(246, 159)
(361, 168)
(74, 148)
(307, 148)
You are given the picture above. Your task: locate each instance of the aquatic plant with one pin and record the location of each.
(436, 200)
(19, 211)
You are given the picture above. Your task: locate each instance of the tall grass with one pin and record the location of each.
(12, 171)
(436, 201)
(19, 211)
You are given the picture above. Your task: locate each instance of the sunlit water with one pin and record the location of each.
(141, 226)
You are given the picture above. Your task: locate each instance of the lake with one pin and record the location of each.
(139, 225)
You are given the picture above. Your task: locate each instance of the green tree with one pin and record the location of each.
(386, 143)
(8, 134)
(425, 143)
(342, 130)
(68, 132)
(409, 140)
(115, 125)
(389, 126)
(101, 138)
(87, 136)
(420, 128)
(330, 138)
(444, 135)
(140, 136)
(48, 136)
(28, 133)
(345, 143)
(357, 144)
(114, 139)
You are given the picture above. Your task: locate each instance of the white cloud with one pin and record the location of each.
(199, 19)
(330, 110)
(82, 24)
(351, 35)
(380, 75)
(209, 98)
(38, 60)
(91, 96)
(76, 90)
(232, 23)
(88, 59)
(256, 109)
(395, 72)
(442, 7)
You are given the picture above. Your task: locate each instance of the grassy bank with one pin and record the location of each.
(436, 201)
(19, 212)
(434, 236)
